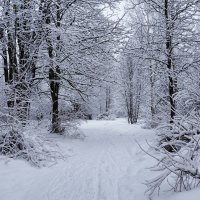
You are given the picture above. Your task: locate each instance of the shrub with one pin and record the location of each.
(18, 143)
(106, 116)
(178, 160)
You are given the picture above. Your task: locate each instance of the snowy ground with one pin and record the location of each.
(107, 165)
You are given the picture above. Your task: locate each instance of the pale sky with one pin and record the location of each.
(116, 13)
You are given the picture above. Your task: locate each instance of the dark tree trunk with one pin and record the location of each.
(54, 86)
(169, 48)
(108, 99)
(5, 62)
(12, 57)
(152, 93)
(54, 72)
(12, 63)
(8, 36)
(132, 118)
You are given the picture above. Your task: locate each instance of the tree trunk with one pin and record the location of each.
(131, 107)
(152, 93)
(169, 48)
(54, 86)
(5, 62)
(54, 72)
(12, 63)
(108, 99)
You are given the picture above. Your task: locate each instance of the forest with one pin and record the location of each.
(99, 98)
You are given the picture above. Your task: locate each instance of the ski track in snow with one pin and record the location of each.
(107, 165)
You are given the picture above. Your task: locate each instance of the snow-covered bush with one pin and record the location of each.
(72, 131)
(75, 133)
(106, 116)
(11, 143)
(149, 124)
(26, 143)
(178, 160)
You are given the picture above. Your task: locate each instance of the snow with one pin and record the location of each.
(106, 165)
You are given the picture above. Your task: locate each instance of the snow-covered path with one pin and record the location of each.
(107, 165)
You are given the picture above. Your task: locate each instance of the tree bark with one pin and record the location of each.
(5, 62)
(54, 72)
(108, 99)
(169, 48)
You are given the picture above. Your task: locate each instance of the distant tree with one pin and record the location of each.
(131, 75)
